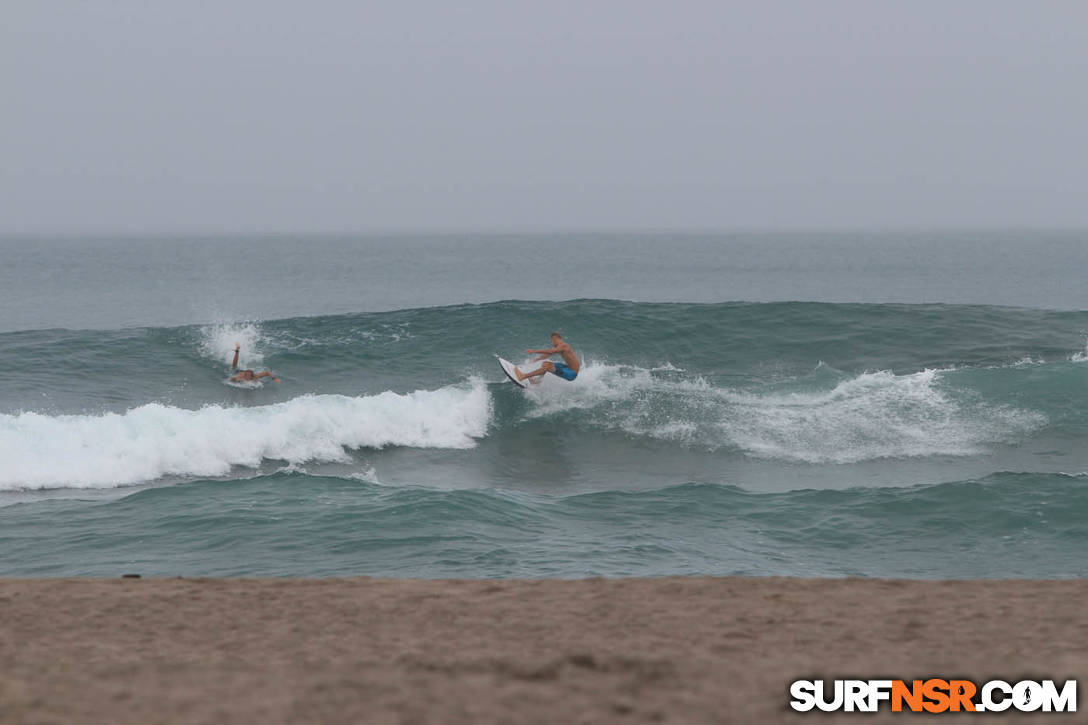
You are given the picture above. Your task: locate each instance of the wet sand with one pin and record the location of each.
(682, 650)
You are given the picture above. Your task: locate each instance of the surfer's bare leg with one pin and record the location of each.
(266, 374)
(542, 370)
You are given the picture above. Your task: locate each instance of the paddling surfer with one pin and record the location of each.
(568, 369)
(243, 376)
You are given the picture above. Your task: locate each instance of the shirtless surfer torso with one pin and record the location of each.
(568, 369)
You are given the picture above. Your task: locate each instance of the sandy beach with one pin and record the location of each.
(682, 650)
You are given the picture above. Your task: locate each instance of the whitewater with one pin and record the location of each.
(154, 440)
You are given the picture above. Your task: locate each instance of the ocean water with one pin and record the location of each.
(802, 404)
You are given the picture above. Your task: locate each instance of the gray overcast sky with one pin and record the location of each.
(272, 116)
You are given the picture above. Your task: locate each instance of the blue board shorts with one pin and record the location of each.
(564, 372)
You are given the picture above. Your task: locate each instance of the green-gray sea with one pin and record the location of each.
(816, 405)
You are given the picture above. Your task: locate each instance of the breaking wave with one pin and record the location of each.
(816, 420)
(155, 440)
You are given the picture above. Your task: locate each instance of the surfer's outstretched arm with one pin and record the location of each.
(234, 362)
(266, 374)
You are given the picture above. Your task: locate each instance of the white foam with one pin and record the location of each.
(595, 384)
(1027, 361)
(244, 384)
(872, 415)
(217, 343)
(151, 441)
(368, 475)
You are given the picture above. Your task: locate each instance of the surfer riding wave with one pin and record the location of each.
(568, 369)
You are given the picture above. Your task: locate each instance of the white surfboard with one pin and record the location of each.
(511, 371)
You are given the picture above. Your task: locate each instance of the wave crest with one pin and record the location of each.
(155, 440)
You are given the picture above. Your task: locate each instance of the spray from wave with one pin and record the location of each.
(217, 343)
(869, 416)
(874, 415)
(154, 440)
(1081, 356)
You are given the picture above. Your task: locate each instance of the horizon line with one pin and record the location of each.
(522, 231)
